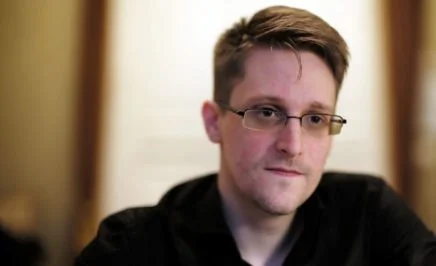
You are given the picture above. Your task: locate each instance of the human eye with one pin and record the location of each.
(262, 118)
(266, 113)
(316, 120)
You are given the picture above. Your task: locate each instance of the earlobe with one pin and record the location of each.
(210, 114)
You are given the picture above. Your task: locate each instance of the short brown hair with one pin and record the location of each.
(276, 27)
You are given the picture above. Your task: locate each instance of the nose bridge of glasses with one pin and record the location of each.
(290, 136)
(289, 117)
(292, 124)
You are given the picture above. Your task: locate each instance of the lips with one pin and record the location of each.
(284, 171)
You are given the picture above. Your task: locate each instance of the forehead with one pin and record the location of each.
(273, 74)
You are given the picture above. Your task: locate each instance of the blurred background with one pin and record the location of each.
(100, 106)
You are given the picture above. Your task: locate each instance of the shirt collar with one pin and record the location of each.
(207, 215)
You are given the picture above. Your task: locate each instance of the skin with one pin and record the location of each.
(265, 176)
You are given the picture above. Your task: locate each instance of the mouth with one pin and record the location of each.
(284, 172)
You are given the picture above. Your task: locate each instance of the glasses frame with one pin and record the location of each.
(333, 118)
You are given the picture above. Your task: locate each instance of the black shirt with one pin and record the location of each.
(350, 219)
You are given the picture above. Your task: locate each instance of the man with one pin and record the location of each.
(277, 78)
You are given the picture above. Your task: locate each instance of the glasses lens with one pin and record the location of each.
(316, 124)
(263, 119)
(322, 124)
(335, 127)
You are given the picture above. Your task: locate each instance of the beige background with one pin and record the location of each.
(39, 51)
(426, 142)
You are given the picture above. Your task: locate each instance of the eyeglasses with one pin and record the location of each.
(269, 119)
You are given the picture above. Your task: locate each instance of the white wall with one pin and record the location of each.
(160, 71)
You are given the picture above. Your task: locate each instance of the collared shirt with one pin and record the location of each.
(350, 220)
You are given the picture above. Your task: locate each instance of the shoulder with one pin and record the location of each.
(350, 188)
(350, 180)
(142, 233)
(129, 217)
(397, 234)
(187, 192)
(119, 234)
(354, 194)
(132, 221)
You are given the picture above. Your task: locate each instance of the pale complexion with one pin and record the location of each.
(265, 176)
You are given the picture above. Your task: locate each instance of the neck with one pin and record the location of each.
(260, 236)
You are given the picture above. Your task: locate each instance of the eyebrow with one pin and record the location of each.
(315, 105)
(271, 99)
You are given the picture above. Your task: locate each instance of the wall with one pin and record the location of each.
(38, 74)
(426, 141)
(160, 71)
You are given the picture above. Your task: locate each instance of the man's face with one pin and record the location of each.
(276, 170)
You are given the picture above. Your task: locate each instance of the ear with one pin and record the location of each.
(210, 113)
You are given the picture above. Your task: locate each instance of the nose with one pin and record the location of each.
(289, 139)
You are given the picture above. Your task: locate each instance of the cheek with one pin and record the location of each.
(247, 148)
(252, 148)
(318, 152)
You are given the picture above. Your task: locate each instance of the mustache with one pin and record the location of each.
(289, 165)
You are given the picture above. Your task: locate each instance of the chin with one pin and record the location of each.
(278, 210)
(275, 206)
